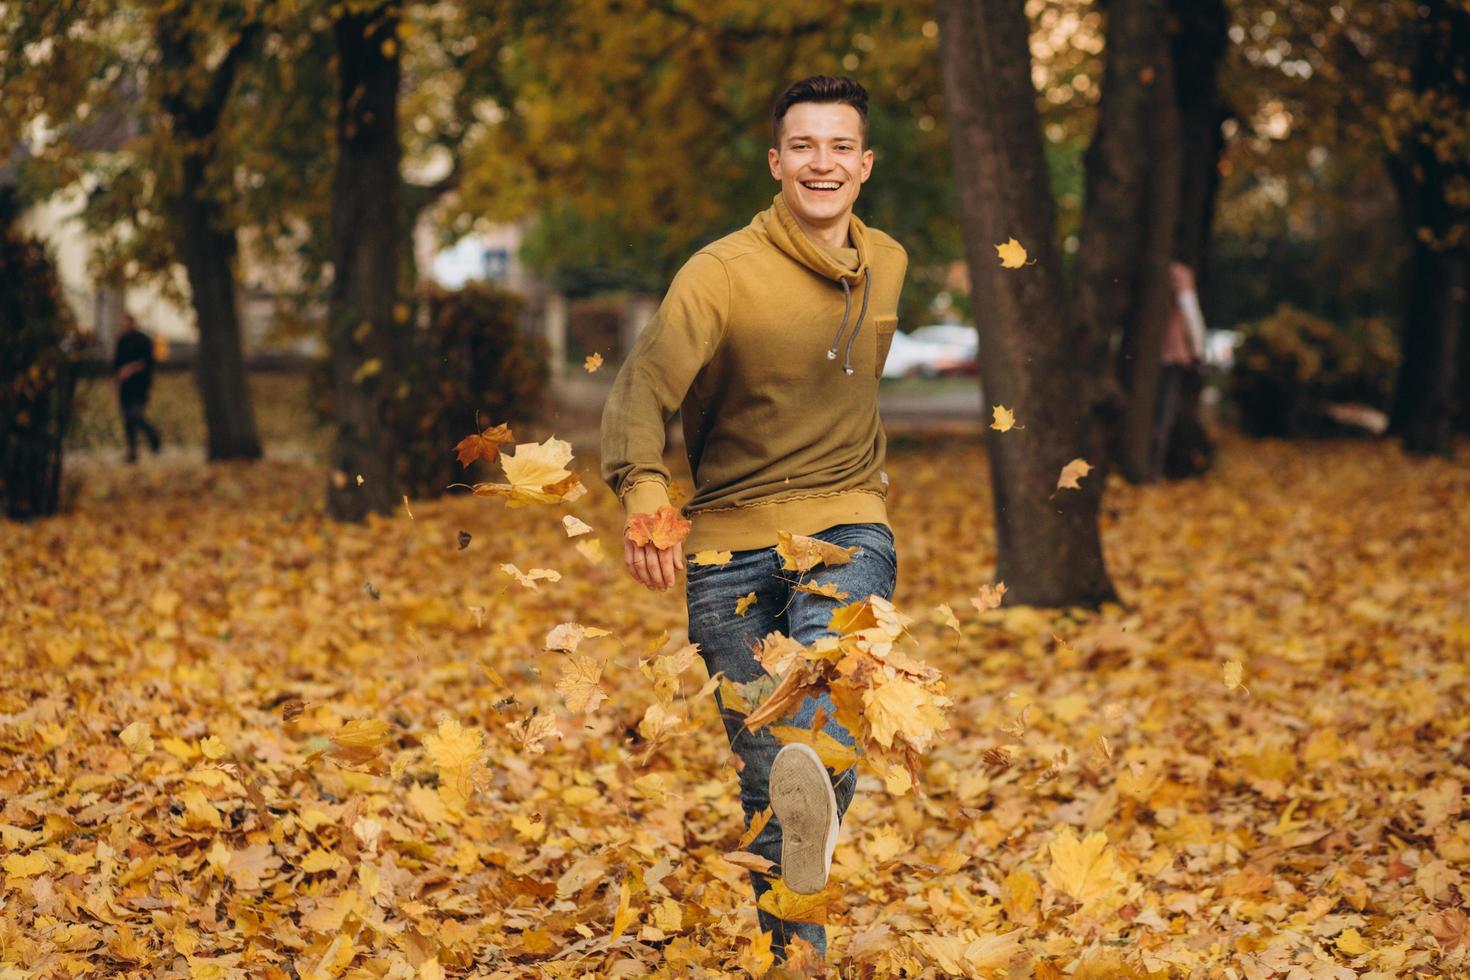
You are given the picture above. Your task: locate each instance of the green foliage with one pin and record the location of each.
(37, 343)
(469, 364)
(1290, 365)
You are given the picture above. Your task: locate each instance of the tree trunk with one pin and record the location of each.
(1035, 362)
(205, 240)
(1130, 215)
(209, 250)
(1428, 399)
(364, 332)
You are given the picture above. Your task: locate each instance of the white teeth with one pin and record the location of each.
(823, 185)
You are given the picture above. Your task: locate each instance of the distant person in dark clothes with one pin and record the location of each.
(1181, 361)
(132, 366)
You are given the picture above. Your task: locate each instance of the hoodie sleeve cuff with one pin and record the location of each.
(644, 497)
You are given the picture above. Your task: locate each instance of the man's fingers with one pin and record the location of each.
(655, 567)
(666, 562)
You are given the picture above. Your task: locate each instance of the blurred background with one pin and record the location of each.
(515, 184)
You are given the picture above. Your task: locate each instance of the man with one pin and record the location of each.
(132, 366)
(777, 384)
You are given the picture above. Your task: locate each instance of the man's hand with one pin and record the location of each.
(651, 565)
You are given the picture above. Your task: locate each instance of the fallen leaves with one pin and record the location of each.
(1320, 820)
(801, 553)
(537, 474)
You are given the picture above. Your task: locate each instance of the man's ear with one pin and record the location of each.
(773, 159)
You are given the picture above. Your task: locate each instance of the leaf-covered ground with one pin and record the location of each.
(178, 650)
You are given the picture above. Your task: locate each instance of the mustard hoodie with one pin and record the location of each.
(776, 381)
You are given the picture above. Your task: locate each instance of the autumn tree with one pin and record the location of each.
(365, 318)
(159, 197)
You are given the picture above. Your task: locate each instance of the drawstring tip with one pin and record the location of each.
(847, 369)
(832, 354)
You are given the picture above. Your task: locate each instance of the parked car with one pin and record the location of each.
(933, 351)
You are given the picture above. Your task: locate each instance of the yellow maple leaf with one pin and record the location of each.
(1004, 420)
(1012, 254)
(456, 753)
(945, 616)
(574, 526)
(1351, 942)
(713, 557)
(537, 474)
(792, 906)
(801, 553)
(900, 707)
(591, 550)
(758, 957)
(593, 362)
(834, 754)
(777, 653)
(744, 603)
(1070, 474)
(1019, 895)
(317, 860)
(25, 865)
(212, 747)
(534, 732)
(828, 590)
(1086, 870)
(136, 738)
(579, 685)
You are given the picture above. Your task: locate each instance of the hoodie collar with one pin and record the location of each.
(789, 237)
(792, 239)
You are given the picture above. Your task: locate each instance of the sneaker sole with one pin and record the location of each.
(802, 799)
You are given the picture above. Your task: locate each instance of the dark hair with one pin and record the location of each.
(821, 88)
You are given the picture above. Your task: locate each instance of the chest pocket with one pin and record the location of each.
(883, 328)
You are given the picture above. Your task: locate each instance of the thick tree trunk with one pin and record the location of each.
(205, 240)
(1130, 214)
(208, 248)
(1429, 396)
(365, 334)
(1035, 362)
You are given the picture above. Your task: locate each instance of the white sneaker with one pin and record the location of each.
(802, 799)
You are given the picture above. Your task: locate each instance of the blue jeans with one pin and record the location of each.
(725, 642)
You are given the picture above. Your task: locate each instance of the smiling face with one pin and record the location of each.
(821, 164)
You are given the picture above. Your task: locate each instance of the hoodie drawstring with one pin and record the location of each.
(847, 309)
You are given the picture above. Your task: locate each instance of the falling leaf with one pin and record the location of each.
(456, 752)
(360, 480)
(483, 445)
(372, 591)
(406, 508)
(1071, 473)
(903, 708)
(1012, 254)
(712, 557)
(800, 553)
(664, 528)
(1234, 671)
(743, 604)
(593, 362)
(1004, 419)
(827, 590)
(136, 738)
(537, 474)
(464, 540)
(591, 549)
(989, 597)
(579, 685)
(777, 653)
(529, 579)
(945, 616)
(535, 731)
(574, 527)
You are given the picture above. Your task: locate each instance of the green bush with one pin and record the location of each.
(470, 362)
(1290, 365)
(37, 355)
